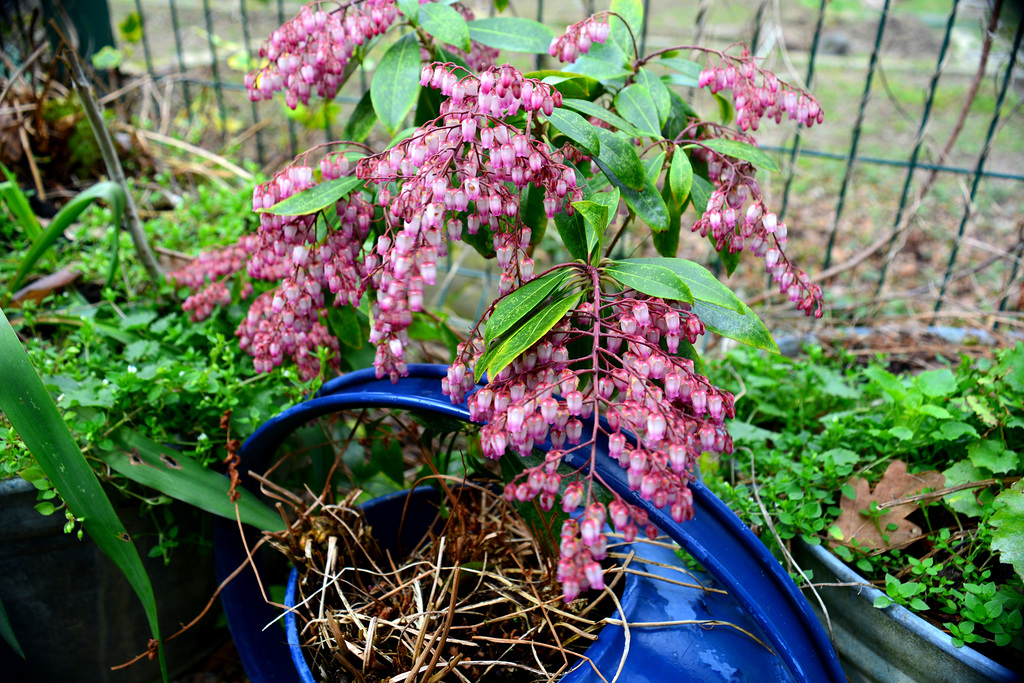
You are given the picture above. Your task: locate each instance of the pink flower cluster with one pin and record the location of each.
(577, 39)
(753, 228)
(309, 53)
(285, 322)
(659, 415)
(757, 93)
(206, 277)
(464, 171)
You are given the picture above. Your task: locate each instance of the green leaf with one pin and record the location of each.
(726, 113)
(679, 116)
(680, 176)
(571, 85)
(18, 204)
(411, 9)
(107, 58)
(632, 13)
(700, 194)
(951, 431)
(108, 191)
(1008, 527)
(8, 633)
(902, 433)
(964, 502)
(595, 219)
(131, 28)
(937, 383)
(445, 24)
(743, 326)
(362, 121)
(659, 95)
(531, 210)
(647, 204)
(396, 83)
(742, 150)
(576, 128)
(521, 302)
(667, 241)
(514, 34)
(889, 382)
(602, 114)
(610, 201)
(181, 477)
(634, 104)
(527, 335)
(704, 286)
(981, 408)
(684, 66)
(618, 155)
(573, 231)
(651, 279)
(316, 198)
(993, 455)
(27, 405)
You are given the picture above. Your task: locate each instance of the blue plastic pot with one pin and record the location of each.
(761, 594)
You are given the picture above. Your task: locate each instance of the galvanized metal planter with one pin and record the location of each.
(890, 645)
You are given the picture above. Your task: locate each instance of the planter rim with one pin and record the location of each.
(908, 620)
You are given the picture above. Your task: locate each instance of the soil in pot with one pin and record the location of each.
(479, 587)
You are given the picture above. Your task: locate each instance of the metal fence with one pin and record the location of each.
(908, 201)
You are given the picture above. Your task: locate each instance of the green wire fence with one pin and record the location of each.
(910, 196)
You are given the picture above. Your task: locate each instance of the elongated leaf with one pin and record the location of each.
(17, 202)
(396, 83)
(445, 24)
(576, 128)
(531, 211)
(683, 66)
(634, 104)
(651, 279)
(704, 286)
(679, 116)
(108, 191)
(7, 633)
(604, 70)
(316, 198)
(520, 302)
(743, 326)
(729, 260)
(686, 350)
(681, 80)
(726, 113)
(742, 150)
(700, 194)
(573, 231)
(680, 176)
(179, 476)
(667, 241)
(610, 200)
(595, 218)
(30, 410)
(619, 156)
(569, 84)
(602, 114)
(632, 13)
(528, 334)
(411, 9)
(648, 204)
(653, 166)
(362, 121)
(659, 94)
(514, 34)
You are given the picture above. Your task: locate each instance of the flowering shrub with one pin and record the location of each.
(589, 352)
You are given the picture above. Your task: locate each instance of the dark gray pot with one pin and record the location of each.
(73, 612)
(890, 645)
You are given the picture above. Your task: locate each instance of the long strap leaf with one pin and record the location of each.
(111, 192)
(28, 406)
(7, 633)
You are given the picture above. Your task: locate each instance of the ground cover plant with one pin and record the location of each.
(831, 442)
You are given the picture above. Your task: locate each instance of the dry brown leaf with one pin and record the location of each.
(857, 525)
(38, 290)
